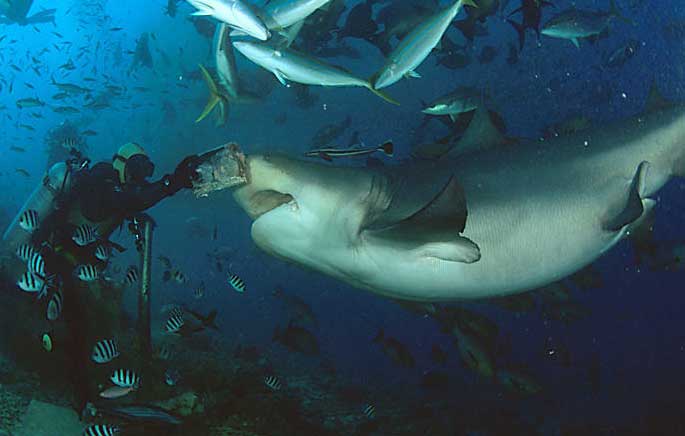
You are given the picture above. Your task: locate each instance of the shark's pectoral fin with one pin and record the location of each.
(459, 249)
(634, 205)
(280, 77)
(434, 230)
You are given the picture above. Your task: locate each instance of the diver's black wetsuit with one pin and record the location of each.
(101, 198)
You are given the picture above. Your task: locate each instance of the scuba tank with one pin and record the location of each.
(43, 200)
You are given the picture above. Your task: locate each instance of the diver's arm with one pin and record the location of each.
(141, 197)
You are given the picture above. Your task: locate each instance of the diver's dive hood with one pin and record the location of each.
(125, 153)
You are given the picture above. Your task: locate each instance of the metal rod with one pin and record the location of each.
(145, 289)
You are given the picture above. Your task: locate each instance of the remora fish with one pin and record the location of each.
(396, 231)
(416, 46)
(235, 13)
(574, 24)
(329, 153)
(287, 64)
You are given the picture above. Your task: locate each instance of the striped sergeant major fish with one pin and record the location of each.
(25, 252)
(102, 253)
(87, 272)
(174, 323)
(85, 234)
(272, 382)
(105, 351)
(32, 282)
(131, 276)
(125, 378)
(36, 264)
(329, 153)
(55, 305)
(101, 430)
(369, 411)
(29, 220)
(237, 283)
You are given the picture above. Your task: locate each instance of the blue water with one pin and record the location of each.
(634, 325)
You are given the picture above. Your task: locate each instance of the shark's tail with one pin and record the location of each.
(215, 97)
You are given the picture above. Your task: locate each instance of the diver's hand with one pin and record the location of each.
(185, 173)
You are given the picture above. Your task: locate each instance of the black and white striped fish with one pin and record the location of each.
(176, 311)
(87, 272)
(101, 430)
(25, 251)
(272, 383)
(105, 351)
(174, 323)
(165, 352)
(125, 378)
(176, 275)
(55, 305)
(237, 283)
(85, 234)
(36, 264)
(102, 253)
(29, 220)
(131, 276)
(370, 411)
(31, 282)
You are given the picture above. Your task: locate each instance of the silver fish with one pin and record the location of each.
(416, 46)
(287, 64)
(235, 13)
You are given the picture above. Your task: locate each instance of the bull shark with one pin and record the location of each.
(490, 221)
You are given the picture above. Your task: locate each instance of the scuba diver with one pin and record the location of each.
(86, 204)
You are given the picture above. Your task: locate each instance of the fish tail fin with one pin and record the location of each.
(382, 94)
(614, 11)
(521, 32)
(215, 96)
(387, 148)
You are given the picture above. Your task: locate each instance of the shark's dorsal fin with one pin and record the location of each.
(655, 100)
(481, 134)
(434, 229)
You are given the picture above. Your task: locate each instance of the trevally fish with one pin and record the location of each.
(29, 102)
(329, 153)
(574, 24)
(287, 64)
(227, 85)
(105, 351)
(416, 46)
(463, 99)
(235, 13)
(280, 14)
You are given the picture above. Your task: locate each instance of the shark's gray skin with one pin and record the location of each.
(531, 213)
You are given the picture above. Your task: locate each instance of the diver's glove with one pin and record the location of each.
(184, 175)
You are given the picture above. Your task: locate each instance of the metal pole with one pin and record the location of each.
(145, 288)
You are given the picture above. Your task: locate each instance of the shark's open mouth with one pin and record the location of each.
(263, 202)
